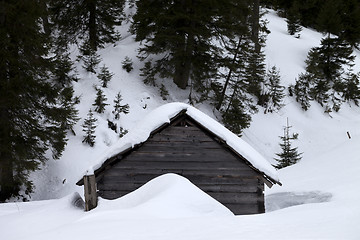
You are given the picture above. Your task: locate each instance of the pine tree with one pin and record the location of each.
(235, 118)
(122, 132)
(255, 76)
(182, 32)
(100, 101)
(164, 93)
(118, 108)
(127, 64)
(289, 155)
(274, 90)
(325, 66)
(351, 22)
(68, 102)
(301, 90)
(90, 58)
(148, 73)
(92, 21)
(350, 87)
(64, 75)
(89, 129)
(329, 17)
(30, 123)
(293, 19)
(105, 76)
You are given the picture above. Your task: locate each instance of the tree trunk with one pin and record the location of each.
(7, 188)
(7, 185)
(93, 41)
(183, 66)
(255, 26)
(184, 61)
(218, 106)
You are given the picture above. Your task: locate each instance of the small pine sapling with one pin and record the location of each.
(275, 91)
(118, 108)
(89, 129)
(122, 132)
(148, 73)
(127, 64)
(105, 76)
(100, 101)
(351, 89)
(236, 117)
(302, 89)
(90, 58)
(293, 20)
(164, 92)
(289, 155)
(68, 102)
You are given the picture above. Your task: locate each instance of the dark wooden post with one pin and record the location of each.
(90, 192)
(348, 135)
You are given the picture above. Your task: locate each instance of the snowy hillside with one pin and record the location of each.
(319, 198)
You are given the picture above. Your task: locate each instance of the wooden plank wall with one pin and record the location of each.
(189, 152)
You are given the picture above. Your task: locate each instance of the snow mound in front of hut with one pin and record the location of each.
(166, 196)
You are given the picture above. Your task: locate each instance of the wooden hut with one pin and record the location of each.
(190, 144)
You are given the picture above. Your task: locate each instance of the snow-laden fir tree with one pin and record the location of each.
(289, 154)
(99, 103)
(105, 76)
(118, 108)
(89, 127)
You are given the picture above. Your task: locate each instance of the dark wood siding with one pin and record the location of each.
(190, 152)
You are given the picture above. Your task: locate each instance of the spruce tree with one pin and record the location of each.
(92, 21)
(104, 76)
(122, 132)
(148, 73)
(351, 87)
(127, 64)
(293, 19)
(325, 68)
(301, 90)
(118, 108)
(89, 127)
(255, 76)
(100, 101)
(289, 155)
(30, 123)
(90, 58)
(274, 90)
(182, 32)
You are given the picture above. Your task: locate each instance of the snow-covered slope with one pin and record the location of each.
(323, 186)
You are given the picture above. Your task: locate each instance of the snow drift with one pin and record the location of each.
(167, 196)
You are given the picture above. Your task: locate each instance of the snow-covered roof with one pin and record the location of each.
(164, 114)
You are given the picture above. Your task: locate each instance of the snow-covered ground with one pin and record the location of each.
(319, 198)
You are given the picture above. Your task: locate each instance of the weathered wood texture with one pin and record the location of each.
(90, 192)
(190, 152)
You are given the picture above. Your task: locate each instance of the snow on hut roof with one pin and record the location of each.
(164, 114)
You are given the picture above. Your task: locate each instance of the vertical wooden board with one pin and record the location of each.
(90, 192)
